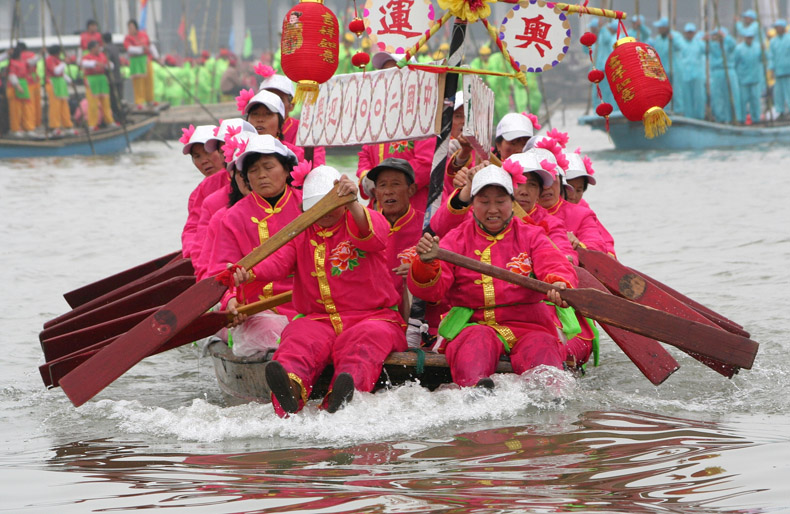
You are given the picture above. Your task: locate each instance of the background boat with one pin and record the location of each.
(687, 133)
(106, 141)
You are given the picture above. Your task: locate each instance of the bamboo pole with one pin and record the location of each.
(769, 103)
(724, 59)
(43, 80)
(671, 41)
(706, 25)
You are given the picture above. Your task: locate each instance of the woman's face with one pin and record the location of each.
(132, 29)
(458, 122)
(575, 196)
(527, 194)
(207, 163)
(264, 120)
(493, 208)
(267, 176)
(332, 218)
(550, 195)
(507, 148)
(240, 183)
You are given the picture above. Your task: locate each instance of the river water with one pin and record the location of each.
(713, 225)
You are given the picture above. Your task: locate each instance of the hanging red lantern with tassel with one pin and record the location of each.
(639, 84)
(309, 47)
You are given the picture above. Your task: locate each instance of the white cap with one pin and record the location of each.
(264, 144)
(201, 134)
(280, 83)
(381, 58)
(577, 168)
(530, 161)
(216, 140)
(459, 100)
(535, 140)
(269, 99)
(492, 175)
(317, 184)
(513, 126)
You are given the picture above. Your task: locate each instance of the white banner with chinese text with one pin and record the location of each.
(478, 113)
(375, 107)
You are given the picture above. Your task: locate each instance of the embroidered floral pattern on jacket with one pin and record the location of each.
(345, 256)
(520, 264)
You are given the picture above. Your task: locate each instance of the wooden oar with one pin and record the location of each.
(114, 360)
(655, 363)
(93, 290)
(622, 282)
(206, 325)
(154, 296)
(619, 312)
(179, 268)
(64, 344)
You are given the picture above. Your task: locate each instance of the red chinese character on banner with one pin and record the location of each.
(399, 19)
(411, 93)
(535, 31)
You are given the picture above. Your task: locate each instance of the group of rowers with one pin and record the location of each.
(351, 270)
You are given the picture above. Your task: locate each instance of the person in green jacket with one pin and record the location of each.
(509, 94)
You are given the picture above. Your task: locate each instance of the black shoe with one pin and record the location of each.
(485, 384)
(280, 384)
(342, 393)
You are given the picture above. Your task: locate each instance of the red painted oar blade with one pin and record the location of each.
(729, 326)
(623, 282)
(114, 360)
(78, 340)
(93, 290)
(182, 268)
(205, 326)
(655, 363)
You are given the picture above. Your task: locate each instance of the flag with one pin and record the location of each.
(143, 13)
(182, 28)
(193, 44)
(247, 52)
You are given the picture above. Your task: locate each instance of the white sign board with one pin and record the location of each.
(375, 107)
(396, 25)
(478, 114)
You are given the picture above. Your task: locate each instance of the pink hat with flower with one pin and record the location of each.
(492, 175)
(580, 166)
(194, 135)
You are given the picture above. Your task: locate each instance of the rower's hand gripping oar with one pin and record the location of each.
(111, 362)
(605, 308)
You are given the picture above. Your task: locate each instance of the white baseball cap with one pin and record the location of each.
(317, 184)
(264, 144)
(280, 83)
(514, 125)
(381, 58)
(492, 175)
(221, 132)
(577, 168)
(201, 134)
(267, 98)
(240, 142)
(531, 163)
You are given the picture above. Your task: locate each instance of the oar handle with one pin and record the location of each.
(327, 204)
(263, 305)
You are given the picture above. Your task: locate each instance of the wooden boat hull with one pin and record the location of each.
(104, 142)
(687, 134)
(241, 379)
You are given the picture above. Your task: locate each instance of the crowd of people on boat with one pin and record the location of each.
(355, 271)
(739, 78)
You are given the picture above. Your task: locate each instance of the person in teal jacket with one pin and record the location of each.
(749, 69)
(641, 30)
(670, 45)
(692, 65)
(779, 62)
(719, 77)
(747, 22)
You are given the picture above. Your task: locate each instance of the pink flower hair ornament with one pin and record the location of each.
(264, 70)
(186, 134)
(533, 119)
(588, 165)
(300, 172)
(515, 170)
(229, 148)
(549, 166)
(216, 129)
(232, 131)
(561, 137)
(245, 95)
(554, 147)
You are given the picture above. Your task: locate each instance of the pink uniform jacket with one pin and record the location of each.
(555, 229)
(419, 154)
(244, 227)
(205, 259)
(582, 222)
(607, 237)
(213, 203)
(403, 237)
(207, 186)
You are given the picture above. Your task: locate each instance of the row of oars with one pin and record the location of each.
(156, 306)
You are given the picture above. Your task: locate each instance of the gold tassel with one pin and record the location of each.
(656, 122)
(307, 91)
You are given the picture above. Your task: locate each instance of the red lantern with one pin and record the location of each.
(360, 59)
(309, 47)
(595, 76)
(639, 84)
(588, 39)
(357, 26)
